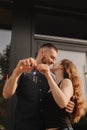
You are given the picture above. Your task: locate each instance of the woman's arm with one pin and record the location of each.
(61, 95)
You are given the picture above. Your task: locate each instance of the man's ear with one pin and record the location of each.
(41, 52)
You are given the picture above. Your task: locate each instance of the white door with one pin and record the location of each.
(79, 59)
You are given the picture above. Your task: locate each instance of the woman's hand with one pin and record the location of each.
(70, 107)
(43, 68)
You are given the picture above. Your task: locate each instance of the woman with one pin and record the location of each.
(66, 87)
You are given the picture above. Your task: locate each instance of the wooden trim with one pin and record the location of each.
(62, 42)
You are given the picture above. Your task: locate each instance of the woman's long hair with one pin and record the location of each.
(71, 73)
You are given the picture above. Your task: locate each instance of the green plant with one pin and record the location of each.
(4, 68)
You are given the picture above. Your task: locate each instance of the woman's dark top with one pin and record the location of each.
(55, 117)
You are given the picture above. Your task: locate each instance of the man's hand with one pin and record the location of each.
(25, 65)
(70, 107)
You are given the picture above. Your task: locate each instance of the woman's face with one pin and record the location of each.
(56, 66)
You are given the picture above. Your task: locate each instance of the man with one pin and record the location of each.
(30, 87)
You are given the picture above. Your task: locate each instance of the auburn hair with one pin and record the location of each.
(70, 72)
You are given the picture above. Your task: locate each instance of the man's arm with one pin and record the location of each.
(10, 85)
(23, 66)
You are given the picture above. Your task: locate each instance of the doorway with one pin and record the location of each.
(73, 49)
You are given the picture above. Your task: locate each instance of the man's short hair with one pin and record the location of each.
(49, 45)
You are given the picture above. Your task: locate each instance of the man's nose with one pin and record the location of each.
(51, 62)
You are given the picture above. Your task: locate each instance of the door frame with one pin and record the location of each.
(63, 43)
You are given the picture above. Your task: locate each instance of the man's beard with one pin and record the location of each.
(43, 60)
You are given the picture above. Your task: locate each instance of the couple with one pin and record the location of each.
(43, 103)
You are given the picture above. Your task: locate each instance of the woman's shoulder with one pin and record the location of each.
(66, 81)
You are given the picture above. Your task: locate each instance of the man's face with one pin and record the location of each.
(49, 56)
